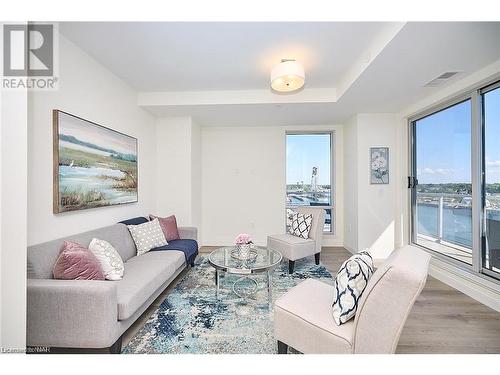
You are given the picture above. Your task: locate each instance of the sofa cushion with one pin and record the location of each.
(168, 226)
(143, 276)
(188, 247)
(350, 283)
(292, 247)
(301, 224)
(147, 236)
(303, 319)
(108, 257)
(76, 262)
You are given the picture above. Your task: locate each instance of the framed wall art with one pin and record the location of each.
(94, 166)
(379, 165)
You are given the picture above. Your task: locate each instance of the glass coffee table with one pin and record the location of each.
(262, 261)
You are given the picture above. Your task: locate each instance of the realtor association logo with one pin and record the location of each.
(29, 56)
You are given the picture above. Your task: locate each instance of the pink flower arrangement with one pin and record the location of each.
(242, 239)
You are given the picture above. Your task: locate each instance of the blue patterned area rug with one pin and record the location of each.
(191, 320)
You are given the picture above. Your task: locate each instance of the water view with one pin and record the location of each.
(308, 173)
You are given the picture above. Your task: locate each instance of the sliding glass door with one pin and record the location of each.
(443, 214)
(455, 180)
(491, 191)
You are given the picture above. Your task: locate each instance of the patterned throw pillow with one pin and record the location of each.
(350, 282)
(111, 262)
(147, 236)
(301, 225)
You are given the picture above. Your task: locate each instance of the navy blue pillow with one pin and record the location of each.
(134, 221)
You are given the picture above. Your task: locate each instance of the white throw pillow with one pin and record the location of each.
(110, 260)
(147, 236)
(350, 282)
(301, 225)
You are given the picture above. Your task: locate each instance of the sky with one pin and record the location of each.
(492, 135)
(444, 143)
(88, 132)
(305, 151)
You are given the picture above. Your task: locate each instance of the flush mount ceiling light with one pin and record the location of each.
(287, 76)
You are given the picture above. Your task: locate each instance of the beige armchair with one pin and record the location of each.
(303, 316)
(293, 247)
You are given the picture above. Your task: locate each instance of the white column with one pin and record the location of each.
(13, 203)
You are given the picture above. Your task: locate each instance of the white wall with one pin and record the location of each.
(1, 247)
(88, 90)
(196, 182)
(243, 178)
(372, 212)
(377, 204)
(13, 177)
(13, 192)
(350, 182)
(178, 143)
(244, 187)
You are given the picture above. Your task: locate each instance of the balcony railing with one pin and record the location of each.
(444, 224)
(436, 209)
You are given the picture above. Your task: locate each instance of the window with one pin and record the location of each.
(455, 181)
(491, 191)
(309, 173)
(443, 214)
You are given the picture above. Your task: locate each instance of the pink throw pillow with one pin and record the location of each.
(76, 262)
(168, 226)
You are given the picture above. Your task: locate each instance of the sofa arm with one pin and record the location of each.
(71, 313)
(188, 233)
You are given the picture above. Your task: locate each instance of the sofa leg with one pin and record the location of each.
(316, 258)
(282, 348)
(192, 263)
(291, 264)
(116, 348)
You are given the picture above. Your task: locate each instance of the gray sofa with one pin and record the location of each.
(89, 313)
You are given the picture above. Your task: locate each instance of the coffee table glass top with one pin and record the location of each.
(266, 259)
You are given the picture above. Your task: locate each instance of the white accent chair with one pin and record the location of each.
(293, 247)
(303, 316)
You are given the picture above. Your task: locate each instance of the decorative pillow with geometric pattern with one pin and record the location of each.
(350, 282)
(147, 236)
(110, 260)
(301, 225)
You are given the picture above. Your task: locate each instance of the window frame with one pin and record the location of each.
(473, 94)
(332, 206)
(482, 249)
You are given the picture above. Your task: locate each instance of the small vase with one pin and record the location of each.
(244, 250)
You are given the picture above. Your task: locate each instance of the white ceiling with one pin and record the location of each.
(372, 67)
(188, 56)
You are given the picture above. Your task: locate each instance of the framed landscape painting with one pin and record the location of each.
(379, 165)
(94, 166)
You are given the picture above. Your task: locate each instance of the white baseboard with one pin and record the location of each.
(479, 288)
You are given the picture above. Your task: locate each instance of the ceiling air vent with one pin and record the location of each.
(441, 79)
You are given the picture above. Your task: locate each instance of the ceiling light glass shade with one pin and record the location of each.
(287, 76)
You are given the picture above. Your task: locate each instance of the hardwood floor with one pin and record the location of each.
(443, 320)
